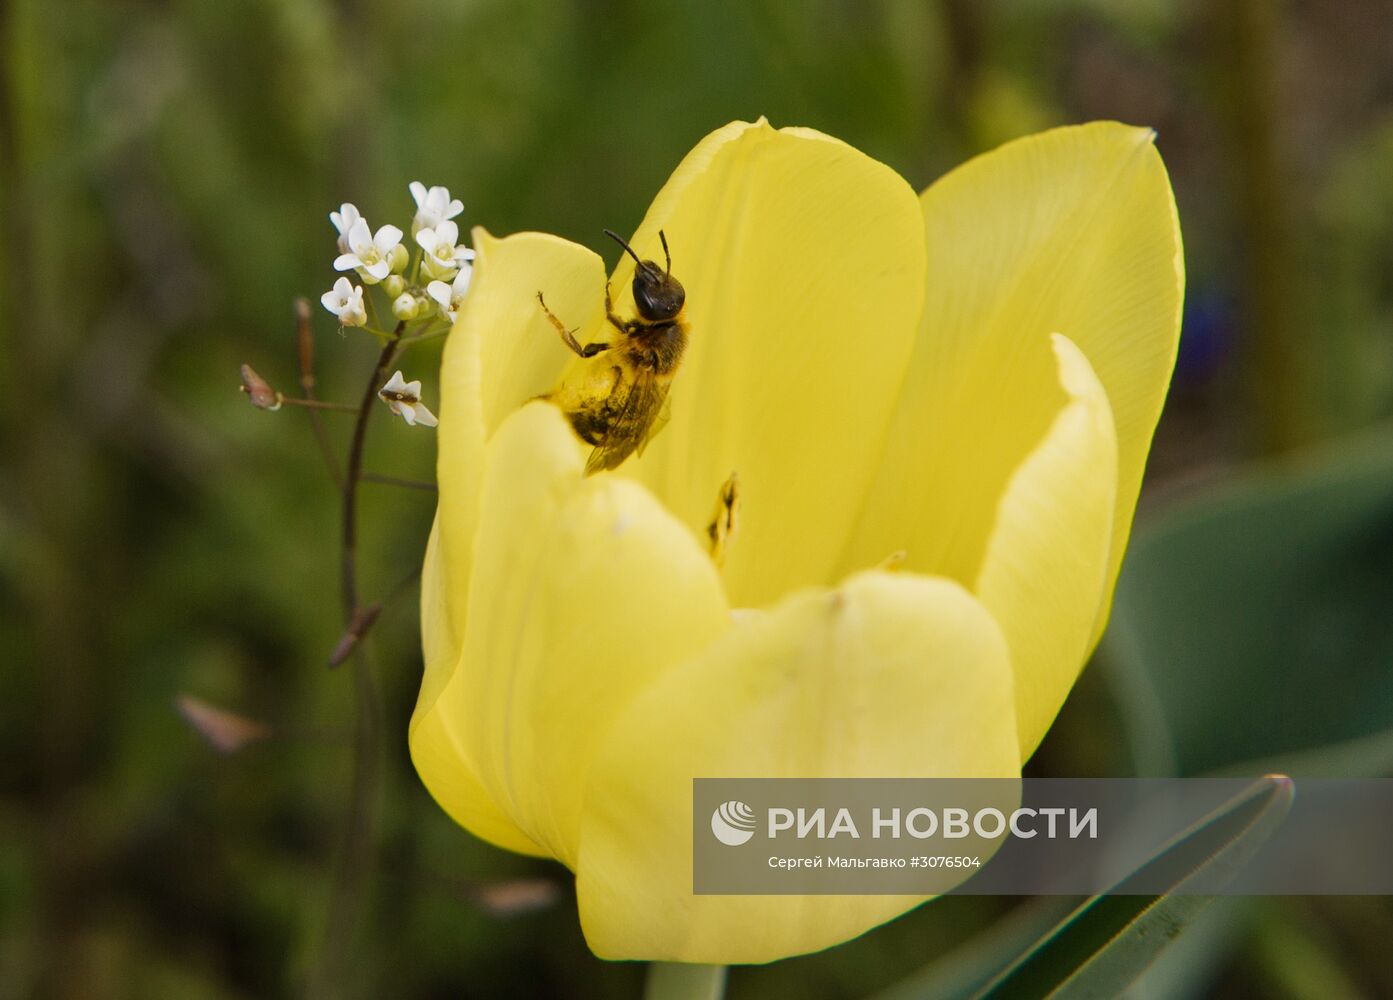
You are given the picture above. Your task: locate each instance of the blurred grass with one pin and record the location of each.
(165, 172)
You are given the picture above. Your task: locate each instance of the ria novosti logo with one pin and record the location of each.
(733, 823)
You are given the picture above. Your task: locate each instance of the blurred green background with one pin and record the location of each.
(165, 173)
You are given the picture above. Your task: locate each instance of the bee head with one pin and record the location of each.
(657, 294)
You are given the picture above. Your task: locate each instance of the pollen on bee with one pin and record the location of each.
(725, 520)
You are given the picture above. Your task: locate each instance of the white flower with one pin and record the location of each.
(345, 301)
(370, 254)
(404, 399)
(433, 206)
(451, 297)
(442, 257)
(343, 221)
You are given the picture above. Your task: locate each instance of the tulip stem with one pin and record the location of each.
(682, 981)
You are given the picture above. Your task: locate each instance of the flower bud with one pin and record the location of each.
(259, 391)
(394, 285)
(399, 258)
(405, 307)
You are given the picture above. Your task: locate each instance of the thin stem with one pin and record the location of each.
(371, 301)
(355, 862)
(1246, 52)
(409, 484)
(367, 616)
(680, 981)
(304, 347)
(349, 540)
(417, 338)
(318, 404)
(402, 588)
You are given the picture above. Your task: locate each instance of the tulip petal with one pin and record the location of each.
(500, 353)
(1100, 259)
(1046, 563)
(890, 675)
(583, 590)
(1074, 230)
(802, 260)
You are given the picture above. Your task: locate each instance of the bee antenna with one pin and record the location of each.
(627, 249)
(666, 253)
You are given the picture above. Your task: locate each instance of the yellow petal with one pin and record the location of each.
(1046, 563)
(1098, 256)
(1072, 230)
(583, 590)
(500, 354)
(803, 264)
(888, 676)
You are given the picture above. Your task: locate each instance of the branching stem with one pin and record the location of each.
(355, 860)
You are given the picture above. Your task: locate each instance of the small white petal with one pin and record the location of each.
(408, 414)
(440, 291)
(418, 191)
(387, 237)
(359, 236)
(454, 208)
(448, 232)
(346, 262)
(424, 417)
(378, 270)
(345, 217)
(428, 239)
(462, 280)
(396, 383)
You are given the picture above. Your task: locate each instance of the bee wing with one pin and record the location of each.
(632, 426)
(659, 422)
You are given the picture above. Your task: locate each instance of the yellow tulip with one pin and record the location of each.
(970, 377)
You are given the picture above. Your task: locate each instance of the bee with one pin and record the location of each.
(621, 407)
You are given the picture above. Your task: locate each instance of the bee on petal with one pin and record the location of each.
(620, 409)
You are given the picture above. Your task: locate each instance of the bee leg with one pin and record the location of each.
(568, 336)
(615, 321)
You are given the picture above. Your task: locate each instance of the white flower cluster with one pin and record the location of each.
(426, 285)
(438, 279)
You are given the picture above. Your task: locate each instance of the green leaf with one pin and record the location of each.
(1250, 630)
(963, 972)
(1111, 939)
